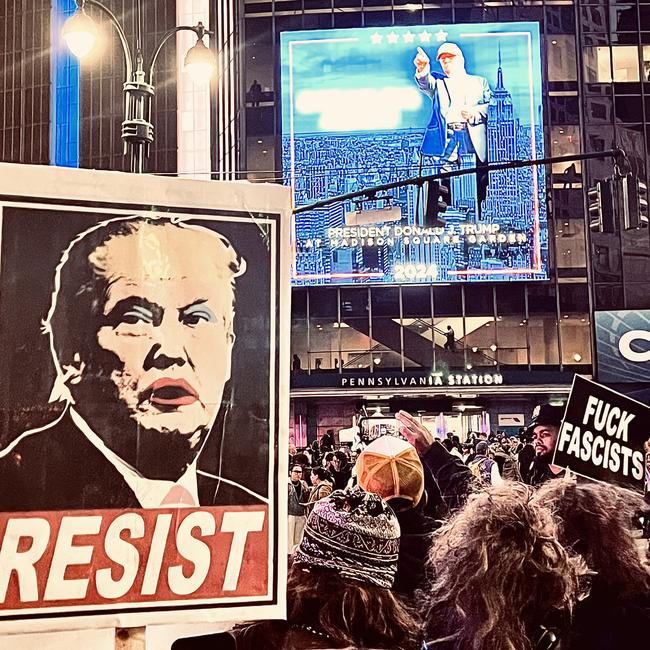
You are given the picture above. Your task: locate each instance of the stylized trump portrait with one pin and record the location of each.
(142, 328)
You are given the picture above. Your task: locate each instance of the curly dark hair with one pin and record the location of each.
(596, 521)
(499, 573)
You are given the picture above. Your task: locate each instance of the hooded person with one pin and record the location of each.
(339, 586)
(391, 468)
(340, 470)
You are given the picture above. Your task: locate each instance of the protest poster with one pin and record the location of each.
(144, 399)
(602, 435)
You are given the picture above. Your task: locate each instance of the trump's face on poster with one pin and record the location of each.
(148, 369)
(168, 319)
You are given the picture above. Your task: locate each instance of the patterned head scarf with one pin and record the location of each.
(354, 533)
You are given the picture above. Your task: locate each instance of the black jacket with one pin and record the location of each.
(341, 477)
(605, 621)
(58, 468)
(453, 477)
(525, 458)
(540, 472)
(414, 544)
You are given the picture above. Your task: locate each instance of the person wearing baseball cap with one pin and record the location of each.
(543, 429)
(459, 103)
(449, 50)
(391, 468)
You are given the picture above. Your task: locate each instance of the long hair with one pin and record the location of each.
(596, 521)
(499, 574)
(352, 614)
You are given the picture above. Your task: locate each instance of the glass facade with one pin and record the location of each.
(25, 76)
(405, 328)
(596, 76)
(101, 94)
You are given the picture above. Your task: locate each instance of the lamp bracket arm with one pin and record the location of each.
(128, 60)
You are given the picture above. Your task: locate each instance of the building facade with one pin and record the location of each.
(370, 348)
(374, 349)
(57, 110)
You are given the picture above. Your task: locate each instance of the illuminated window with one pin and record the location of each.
(511, 324)
(625, 61)
(565, 140)
(542, 325)
(561, 58)
(598, 65)
(646, 63)
(354, 330)
(575, 330)
(417, 323)
(622, 59)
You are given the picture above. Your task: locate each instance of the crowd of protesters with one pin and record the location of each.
(420, 543)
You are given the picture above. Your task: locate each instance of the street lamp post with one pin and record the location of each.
(80, 34)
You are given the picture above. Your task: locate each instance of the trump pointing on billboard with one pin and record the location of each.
(459, 105)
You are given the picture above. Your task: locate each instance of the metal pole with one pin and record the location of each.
(137, 129)
(370, 193)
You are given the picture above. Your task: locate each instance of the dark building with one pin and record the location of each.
(372, 345)
(58, 110)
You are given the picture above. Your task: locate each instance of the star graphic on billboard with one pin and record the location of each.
(425, 36)
(441, 35)
(376, 38)
(409, 37)
(392, 38)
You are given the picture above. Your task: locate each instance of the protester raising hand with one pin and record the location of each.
(415, 432)
(452, 476)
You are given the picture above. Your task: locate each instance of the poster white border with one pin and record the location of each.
(52, 188)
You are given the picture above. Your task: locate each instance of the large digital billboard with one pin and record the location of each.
(365, 107)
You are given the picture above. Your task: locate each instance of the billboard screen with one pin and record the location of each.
(369, 106)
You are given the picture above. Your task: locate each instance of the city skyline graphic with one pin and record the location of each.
(325, 164)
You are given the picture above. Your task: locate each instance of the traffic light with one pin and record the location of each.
(635, 203)
(600, 199)
(437, 203)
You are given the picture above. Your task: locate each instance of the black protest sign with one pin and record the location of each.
(602, 435)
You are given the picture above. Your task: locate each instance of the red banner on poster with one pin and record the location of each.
(54, 559)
